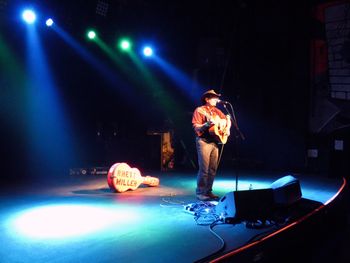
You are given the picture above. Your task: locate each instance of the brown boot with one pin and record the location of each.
(213, 196)
(203, 197)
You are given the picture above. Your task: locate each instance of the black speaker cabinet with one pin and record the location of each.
(247, 205)
(286, 190)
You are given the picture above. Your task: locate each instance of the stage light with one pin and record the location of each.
(125, 44)
(147, 51)
(49, 22)
(102, 7)
(29, 16)
(91, 34)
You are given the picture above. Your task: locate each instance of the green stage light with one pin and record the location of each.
(91, 34)
(125, 44)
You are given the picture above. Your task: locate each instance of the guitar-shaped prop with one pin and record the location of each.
(218, 129)
(121, 178)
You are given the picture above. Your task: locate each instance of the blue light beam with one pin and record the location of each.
(187, 85)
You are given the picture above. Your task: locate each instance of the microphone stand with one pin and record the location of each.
(235, 124)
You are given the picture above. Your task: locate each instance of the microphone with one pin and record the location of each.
(223, 102)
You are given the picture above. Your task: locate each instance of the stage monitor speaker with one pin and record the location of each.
(286, 190)
(247, 205)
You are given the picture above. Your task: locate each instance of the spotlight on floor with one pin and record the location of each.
(147, 51)
(49, 22)
(29, 16)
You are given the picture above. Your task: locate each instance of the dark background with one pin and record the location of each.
(256, 53)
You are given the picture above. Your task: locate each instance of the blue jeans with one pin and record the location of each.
(208, 154)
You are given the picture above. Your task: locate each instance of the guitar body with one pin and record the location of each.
(218, 127)
(218, 134)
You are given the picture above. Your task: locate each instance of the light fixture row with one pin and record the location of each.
(125, 44)
(29, 16)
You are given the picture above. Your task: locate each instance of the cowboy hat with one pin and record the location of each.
(209, 94)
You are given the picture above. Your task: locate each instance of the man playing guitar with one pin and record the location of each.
(211, 128)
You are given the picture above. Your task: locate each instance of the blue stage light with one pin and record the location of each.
(29, 16)
(147, 51)
(49, 22)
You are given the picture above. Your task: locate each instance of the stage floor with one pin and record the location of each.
(80, 219)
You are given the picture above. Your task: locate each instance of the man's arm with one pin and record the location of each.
(200, 123)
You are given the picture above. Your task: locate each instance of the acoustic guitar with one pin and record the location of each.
(121, 178)
(218, 132)
(218, 127)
